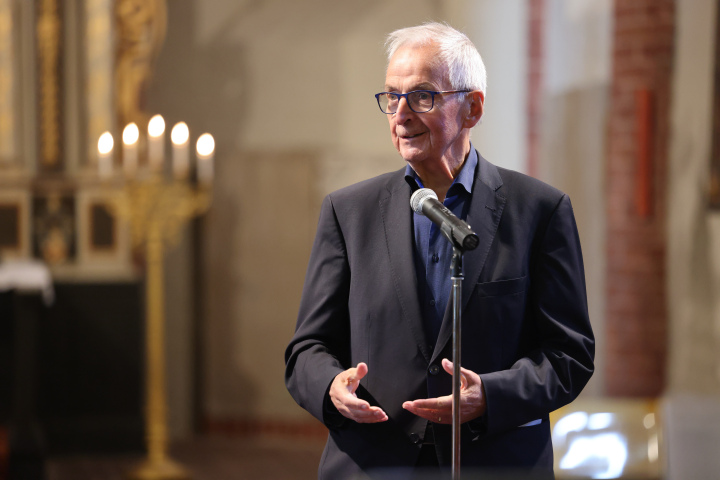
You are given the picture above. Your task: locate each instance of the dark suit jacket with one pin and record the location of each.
(525, 326)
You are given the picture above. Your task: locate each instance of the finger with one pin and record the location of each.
(427, 412)
(437, 410)
(439, 403)
(363, 413)
(357, 373)
(372, 415)
(448, 367)
(361, 370)
(351, 402)
(354, 375)
(432, 414)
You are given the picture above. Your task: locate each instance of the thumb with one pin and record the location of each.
(355, 375)
(448, 366)
(359, 372)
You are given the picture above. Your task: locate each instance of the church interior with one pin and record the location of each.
(162, 166)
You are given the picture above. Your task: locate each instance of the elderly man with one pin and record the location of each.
(369, 357)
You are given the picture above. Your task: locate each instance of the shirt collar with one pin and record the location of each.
(465, 178)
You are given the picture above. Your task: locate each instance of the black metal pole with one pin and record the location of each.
(457, 279)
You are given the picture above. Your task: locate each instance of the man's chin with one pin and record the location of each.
(412, 155)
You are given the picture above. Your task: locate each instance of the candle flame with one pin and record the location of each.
(131, 134)
(180, 133)
(156, 126)
(105, 143)
(205, 145)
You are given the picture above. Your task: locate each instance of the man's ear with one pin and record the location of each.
(475, 112)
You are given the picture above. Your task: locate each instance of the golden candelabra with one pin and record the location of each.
(156, 209)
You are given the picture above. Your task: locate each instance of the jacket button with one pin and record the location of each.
(415, 438)
(434, 369)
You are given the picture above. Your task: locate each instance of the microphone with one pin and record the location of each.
(425, 202)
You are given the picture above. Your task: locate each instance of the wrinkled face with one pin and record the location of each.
(434, 136)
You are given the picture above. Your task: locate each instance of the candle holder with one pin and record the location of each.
(157, 208)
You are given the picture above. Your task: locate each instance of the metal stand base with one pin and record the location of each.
(164, 469)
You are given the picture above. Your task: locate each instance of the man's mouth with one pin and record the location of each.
(409, 137)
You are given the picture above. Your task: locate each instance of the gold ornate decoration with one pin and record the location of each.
(157, 210)
(155, 203)
(48, 37)
(55, 227)
(141, 27)
(7, 143)
(99, 64)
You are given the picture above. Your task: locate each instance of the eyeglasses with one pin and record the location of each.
(419, 101)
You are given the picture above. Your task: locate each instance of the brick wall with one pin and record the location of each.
(536, 27)
(636, 169)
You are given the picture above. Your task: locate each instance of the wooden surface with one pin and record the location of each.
(208, 458)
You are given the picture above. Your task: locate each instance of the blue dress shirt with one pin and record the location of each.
(433, 252)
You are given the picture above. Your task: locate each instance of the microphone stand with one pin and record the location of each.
(462, 238)
(456, 296)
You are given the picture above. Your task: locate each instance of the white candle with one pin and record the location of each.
(181, 156)
(105, 157)
(130, 137)
(156, 143)
(205, 149)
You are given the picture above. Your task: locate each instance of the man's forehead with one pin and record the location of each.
(415, 68)
(398, 84)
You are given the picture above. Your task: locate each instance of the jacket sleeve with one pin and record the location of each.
(560, 362)
(319, 348)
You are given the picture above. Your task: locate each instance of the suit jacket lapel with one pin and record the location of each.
(397, 222)
(483, 217)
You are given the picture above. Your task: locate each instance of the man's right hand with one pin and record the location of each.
(342, 394)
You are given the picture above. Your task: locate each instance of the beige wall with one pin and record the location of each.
(694, 231)
(576, 77)
(499, 30)
(693, 263)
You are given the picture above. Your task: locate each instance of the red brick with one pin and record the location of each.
(535, 54)
(636, 310)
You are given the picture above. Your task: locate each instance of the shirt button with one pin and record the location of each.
(432, 303)
(434, 369)
(435, 258)
(415, 438)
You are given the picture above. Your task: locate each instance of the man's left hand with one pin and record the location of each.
(439, 410)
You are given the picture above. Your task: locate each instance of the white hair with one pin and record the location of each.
(456, 52)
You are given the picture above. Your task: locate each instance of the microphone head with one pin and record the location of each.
(417, 199)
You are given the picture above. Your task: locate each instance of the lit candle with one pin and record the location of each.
(105, 158)
(156, 142)
(181, 159)
(205, 149)
(130, 137)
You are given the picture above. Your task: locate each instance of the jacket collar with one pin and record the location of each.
(484, 215)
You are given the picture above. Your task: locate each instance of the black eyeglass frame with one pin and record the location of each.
(401, 95)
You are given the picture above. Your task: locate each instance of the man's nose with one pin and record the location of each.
(403, 109)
